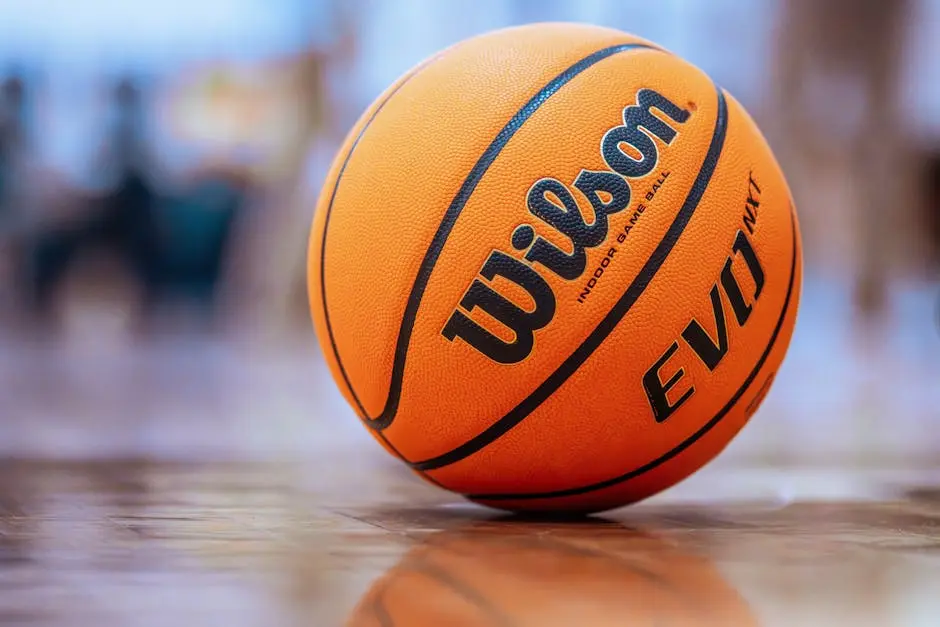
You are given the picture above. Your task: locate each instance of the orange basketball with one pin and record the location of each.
(555, 267)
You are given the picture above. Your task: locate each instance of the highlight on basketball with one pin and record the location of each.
(476, 312)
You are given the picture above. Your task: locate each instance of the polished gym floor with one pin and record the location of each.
(206, 482)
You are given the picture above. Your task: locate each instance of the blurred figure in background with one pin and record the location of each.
(119, 221)
(13, 146)
(12, 139)
(196, 227)
(839, 68)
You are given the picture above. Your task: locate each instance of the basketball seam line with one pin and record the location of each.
(326, 224)
(708, 426)
(385, 418)
(633, 292)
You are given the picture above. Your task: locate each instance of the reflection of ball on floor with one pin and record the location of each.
(502, 576)
(555, 267)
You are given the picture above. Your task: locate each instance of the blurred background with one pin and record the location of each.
(160, 163)
(159, 168)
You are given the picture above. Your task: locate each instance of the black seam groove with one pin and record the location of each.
(383, 420)
(708, 426)
(613, 317)
(326, 225)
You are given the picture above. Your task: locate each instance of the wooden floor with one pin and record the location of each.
(207, 483)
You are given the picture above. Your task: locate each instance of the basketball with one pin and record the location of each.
(554, 268)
